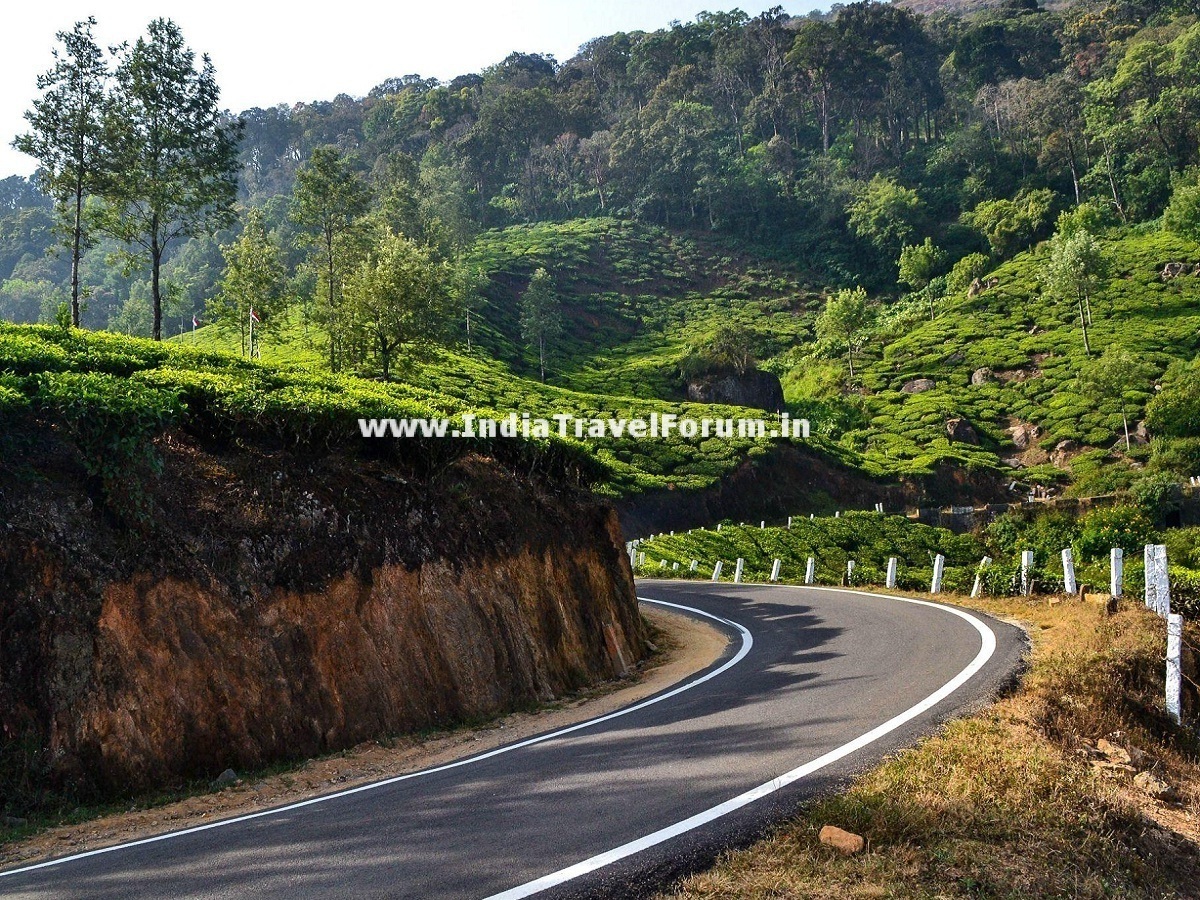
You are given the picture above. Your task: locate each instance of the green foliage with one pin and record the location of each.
(867, 538)
(541, 315)
(887, 214)
(732, 348)
(1158, 494)
(398, 299)
(1175, 410)
(919, 263)
(329, 204)
(172, 156)
(114, 395)
(1182, 215)
(67, 135)
(966, 270)
(1078, 268)
(254, 280)
(1125, 526)
(846, 321)
(1011, 225)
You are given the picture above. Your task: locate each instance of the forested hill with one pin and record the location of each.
(839, 198)
(835, 140)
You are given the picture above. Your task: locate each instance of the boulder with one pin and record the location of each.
(1024, 435)
(1153, 786)
(225, 779)
(961, 431)
(1172, 270)
(918, 386)
(845, 842)
(1063, 453)
(982, 376)
(760, 390)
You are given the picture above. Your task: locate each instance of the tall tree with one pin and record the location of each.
(541, 315)
(398, 297)
(254, 282)
(173, 153)
(66, 134)
(330, 200)
(1112, 377)
(919, 264)
(1078, 268)
(846, 320)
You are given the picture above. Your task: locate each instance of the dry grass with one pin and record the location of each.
(1010, 802)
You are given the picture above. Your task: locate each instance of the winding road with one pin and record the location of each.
(815, 686)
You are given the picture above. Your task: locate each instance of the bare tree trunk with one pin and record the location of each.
(76, 241)
(155, 279)
(1087, 347)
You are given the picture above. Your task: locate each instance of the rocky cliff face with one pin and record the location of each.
(758, 390)
(261, 606)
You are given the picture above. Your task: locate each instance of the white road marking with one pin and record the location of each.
(987, 648)
(747, 643)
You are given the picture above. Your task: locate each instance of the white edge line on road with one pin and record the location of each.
(987, 648)
(747, 643)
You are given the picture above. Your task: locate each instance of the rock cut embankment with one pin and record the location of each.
(255, 605)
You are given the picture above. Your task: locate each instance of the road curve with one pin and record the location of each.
(815, 686)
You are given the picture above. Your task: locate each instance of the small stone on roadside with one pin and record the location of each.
(845, 842)
(15, 821)
(225, 779)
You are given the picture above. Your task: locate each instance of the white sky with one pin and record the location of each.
(270, 53)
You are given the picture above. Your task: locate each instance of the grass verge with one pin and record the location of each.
(1022, 800)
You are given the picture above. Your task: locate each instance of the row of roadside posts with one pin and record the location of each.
(1157, 592)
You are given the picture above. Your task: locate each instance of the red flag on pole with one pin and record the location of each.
(254, 315)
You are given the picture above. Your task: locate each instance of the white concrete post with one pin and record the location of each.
(692, 567)
(1174, 668)
(1116, 578)
(1069, 584)
(717, 571)
(1158, 586)
(718, 526)
(789, 523)
(775, 566)
(891, 572)
(632, 557)
(674, 567)
(1148, 572)
(849, 570)
(641, 559)
(977, 588)
(737, 572)
(762, 524)
(662, 563)
(1164, 580)
(1026, 572)
(810, 571)
(939, 568)
(838, 514)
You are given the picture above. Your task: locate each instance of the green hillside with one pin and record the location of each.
(639, 300)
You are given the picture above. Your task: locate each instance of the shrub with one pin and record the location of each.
(1124, 526)
(1158, 494)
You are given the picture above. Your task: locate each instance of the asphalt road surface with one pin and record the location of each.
(815, 686)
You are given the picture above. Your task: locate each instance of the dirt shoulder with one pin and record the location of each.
(685, 647)
(1075, 784)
